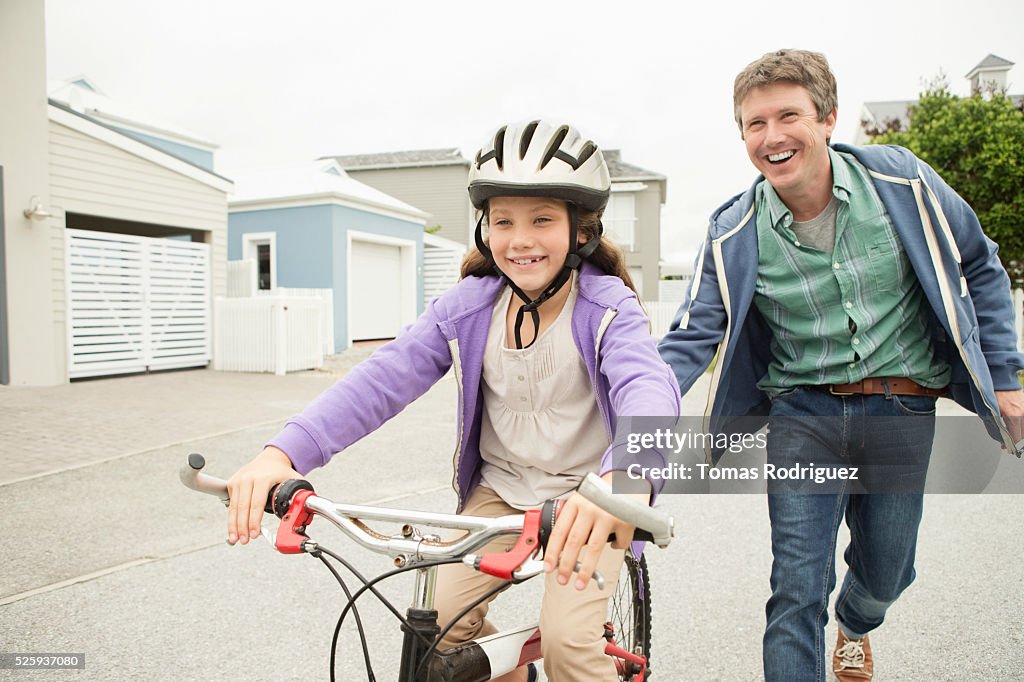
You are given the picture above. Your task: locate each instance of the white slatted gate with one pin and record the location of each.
(135, 303)
(442, 259)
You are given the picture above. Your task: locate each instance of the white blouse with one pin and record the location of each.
(541, 429)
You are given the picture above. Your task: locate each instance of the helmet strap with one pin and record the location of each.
(481, 245)
(574, 258)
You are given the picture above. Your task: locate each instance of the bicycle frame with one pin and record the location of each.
(476, 661)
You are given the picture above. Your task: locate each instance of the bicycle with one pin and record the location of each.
(627, 633)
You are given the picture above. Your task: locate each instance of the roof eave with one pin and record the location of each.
(63, 114)
(425, 164)
(318, 198)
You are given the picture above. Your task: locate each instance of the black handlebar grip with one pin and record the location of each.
(280, 498)
(196, 461)
(549, 512)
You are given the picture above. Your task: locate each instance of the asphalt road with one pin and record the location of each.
(118, 561)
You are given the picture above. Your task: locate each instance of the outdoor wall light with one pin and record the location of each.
(35, 211)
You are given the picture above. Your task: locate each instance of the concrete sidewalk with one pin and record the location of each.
(52, 429)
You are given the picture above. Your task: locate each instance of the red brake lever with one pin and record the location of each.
(501, 564)
(292, 531)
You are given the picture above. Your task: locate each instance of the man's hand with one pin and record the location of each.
(1011, 407)
(581, 523)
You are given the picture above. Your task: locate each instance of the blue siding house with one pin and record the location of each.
(83, 96)
(312, 226)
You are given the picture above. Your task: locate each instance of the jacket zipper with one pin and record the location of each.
(684, 321)
(453, 348)
(723, 287)
(947, 302)
(606, 322)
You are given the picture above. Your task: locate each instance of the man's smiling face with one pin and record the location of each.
(784, 138)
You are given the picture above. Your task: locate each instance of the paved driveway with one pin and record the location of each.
(105, 553)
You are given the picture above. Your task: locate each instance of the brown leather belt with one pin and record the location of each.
(875, 386)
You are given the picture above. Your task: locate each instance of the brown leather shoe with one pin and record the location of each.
(851, 661)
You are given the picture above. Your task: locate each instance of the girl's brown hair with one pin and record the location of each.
(607, 257)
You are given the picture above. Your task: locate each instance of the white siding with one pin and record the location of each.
(92, 177)
(438, 190)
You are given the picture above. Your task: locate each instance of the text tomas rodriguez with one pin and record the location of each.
(707, 472)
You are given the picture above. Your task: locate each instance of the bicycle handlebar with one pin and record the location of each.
(480, 530)
(660, 525)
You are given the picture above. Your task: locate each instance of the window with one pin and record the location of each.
(261, 249)
(620, 220)
(263, 267)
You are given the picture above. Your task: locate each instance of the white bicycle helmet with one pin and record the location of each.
(541, 159)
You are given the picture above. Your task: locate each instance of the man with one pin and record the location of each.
(850, 285)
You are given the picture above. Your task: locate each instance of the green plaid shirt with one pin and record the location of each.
(842, 317)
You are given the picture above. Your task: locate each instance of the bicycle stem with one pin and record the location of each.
(423, 590)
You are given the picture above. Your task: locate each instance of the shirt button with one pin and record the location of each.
(849, 305)
(523, 399)
(835, 266)
(856, 342)
(521, 377)
(797, 243)
(851, 365)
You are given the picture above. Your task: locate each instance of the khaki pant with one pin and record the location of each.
(571, 621)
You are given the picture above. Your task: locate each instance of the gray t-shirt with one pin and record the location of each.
(820, 231)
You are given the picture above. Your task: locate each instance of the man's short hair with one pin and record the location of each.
(809, 69)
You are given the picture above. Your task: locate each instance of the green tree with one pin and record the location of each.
(976, 144)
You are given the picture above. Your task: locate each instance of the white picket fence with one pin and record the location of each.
(276, 334)
(271, 331)
(241, 278)
(326, 298)
(660, 314)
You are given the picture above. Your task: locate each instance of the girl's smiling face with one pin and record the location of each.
(529, 239)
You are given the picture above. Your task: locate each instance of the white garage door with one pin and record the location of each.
(375, 293)
(136, 304)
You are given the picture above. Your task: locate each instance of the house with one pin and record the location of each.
(632, 220)
(435, 181)
(111, 244)
(82, 95)
(989, 74)
(313, 226)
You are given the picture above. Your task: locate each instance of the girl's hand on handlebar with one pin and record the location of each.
(581, 523)
(248, 490)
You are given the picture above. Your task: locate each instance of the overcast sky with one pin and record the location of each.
(276, 83)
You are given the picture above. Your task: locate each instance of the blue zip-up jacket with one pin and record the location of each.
(611, 334)
(967, 290)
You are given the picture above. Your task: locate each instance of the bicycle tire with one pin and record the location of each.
(629, 612)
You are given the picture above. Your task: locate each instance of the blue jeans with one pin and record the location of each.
(810, 425)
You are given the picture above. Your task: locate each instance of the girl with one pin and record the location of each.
(549, 345)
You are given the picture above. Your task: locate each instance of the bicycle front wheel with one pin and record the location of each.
(629, 617)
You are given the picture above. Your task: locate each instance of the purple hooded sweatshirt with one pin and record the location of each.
(611, 333)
